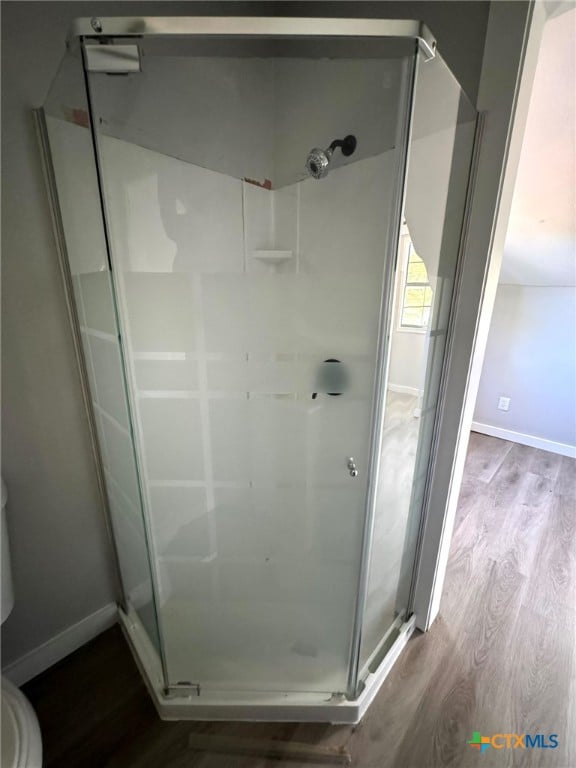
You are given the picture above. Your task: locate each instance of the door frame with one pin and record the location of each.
(512, 42)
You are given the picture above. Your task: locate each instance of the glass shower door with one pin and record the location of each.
(439, 160)
(68, 146)
(250, 301)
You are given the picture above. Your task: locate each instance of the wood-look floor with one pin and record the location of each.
(500, 658)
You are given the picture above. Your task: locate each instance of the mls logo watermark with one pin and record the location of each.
(513, 741)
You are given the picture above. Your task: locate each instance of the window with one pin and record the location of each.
(417, 297)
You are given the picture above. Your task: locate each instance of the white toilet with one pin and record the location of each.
(21, 740)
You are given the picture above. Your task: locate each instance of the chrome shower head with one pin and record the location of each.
(318, 160)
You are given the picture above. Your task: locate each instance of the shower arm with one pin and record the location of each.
(347, 145)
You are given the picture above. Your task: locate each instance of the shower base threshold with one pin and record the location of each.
(254, 706)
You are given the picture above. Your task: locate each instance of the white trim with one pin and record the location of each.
(409, 329)
(405, 390)
(255, 706)
(519, 437)
(58, 647)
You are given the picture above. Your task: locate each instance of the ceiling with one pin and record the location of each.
(540, 246)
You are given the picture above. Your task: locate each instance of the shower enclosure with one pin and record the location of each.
(236, 201)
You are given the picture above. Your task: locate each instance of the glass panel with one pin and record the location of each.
(249, 297)
(438, 169)
(72, 158)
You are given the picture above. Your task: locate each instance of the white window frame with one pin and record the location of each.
(404, 253)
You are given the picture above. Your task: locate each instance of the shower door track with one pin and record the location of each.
(254, 705)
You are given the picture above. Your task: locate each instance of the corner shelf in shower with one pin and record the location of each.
(272, 257)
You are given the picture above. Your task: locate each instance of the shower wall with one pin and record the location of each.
(213, 112)
(310, 109)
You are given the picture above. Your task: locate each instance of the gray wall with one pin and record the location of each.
(459, 27)
(531, 351)
(531, 358)
(263, 111)
(61, 559)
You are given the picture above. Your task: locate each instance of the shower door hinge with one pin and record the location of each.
(337, 697)
(112, 59)
(177, 690)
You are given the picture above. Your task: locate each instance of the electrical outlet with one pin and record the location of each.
(503, 403)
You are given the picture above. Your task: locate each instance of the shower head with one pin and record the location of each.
(318, 160)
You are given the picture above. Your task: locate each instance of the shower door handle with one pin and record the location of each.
(352, 467)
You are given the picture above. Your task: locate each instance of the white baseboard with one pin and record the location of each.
(36, 661)
(518, 437)
(404, 390)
